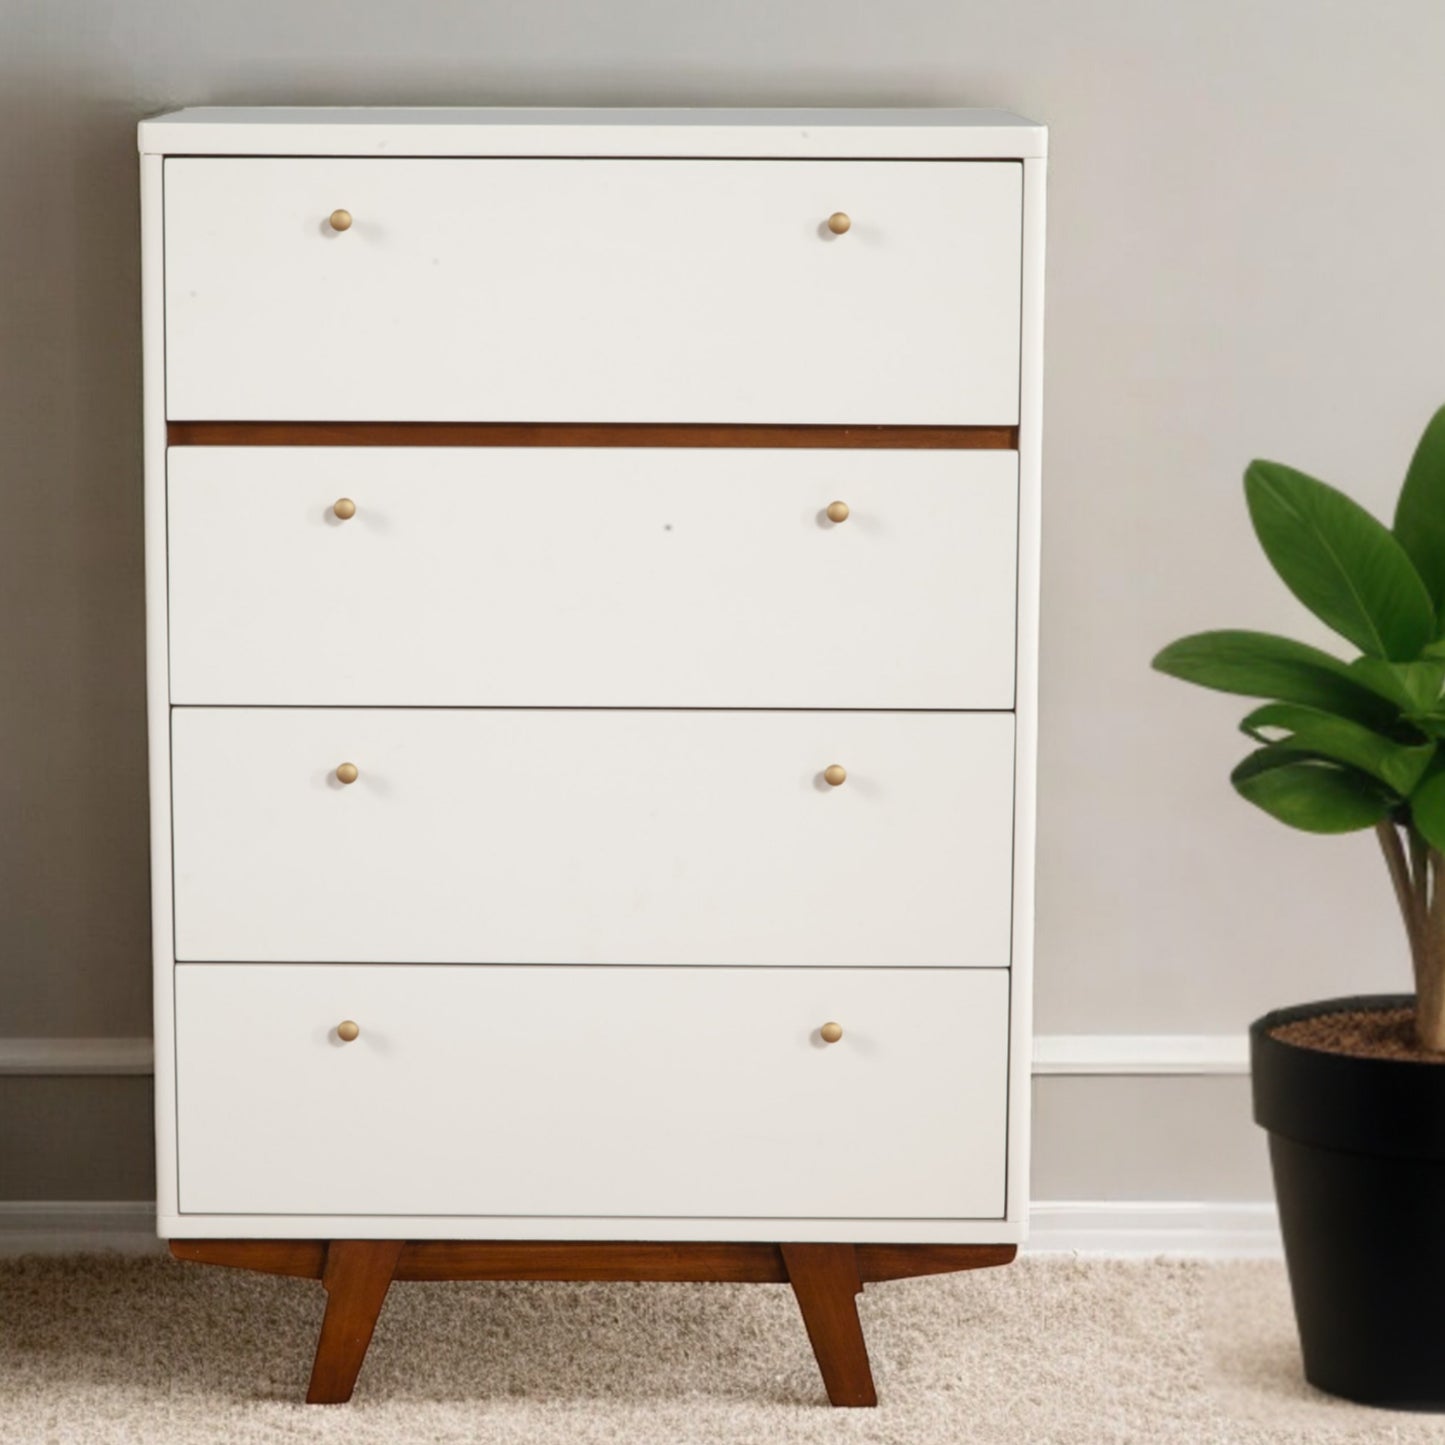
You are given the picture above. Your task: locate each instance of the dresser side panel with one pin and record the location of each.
(1026, 689)
(158, 720)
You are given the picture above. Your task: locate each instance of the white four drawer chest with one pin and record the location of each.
(592, 575)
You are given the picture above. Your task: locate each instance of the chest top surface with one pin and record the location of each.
(946, 134)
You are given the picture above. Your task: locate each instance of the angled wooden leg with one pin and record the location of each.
(357, 1275)
(825, 1279)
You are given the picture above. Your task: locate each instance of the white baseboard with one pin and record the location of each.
(1155, 1054)
(1138, 1229)
(78, 1226)
(1068, 1054)
(109, 1056)
(1125, 1229)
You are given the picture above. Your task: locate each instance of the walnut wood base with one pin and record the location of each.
(826, 1278)
(582, 434)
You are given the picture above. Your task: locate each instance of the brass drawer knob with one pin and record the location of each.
(344, 508)
(838, 511)
(838, 222)
(830, 1032)
(347, 773)
(340, 220)
(346, 1031)
(835, 775)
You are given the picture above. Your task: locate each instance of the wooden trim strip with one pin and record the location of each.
(300, 1258)
(905, 1261)
(540, 1259)
(442, 1259)
(583, 434)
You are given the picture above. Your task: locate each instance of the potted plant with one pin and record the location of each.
(1352, 1090)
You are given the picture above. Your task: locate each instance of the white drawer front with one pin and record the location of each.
(602, 1091)
(573, 836)
(606, 577)
(593, 290)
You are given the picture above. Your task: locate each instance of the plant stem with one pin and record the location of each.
(1430, 972)
(1419, 880)
(1412, 898)
(1420, 868)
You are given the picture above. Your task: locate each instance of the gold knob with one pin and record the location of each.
(348, 773)
(838, 223)
(837, 511)
(830, 1032)
(341, 220)
(346, 1031)
(835, 775)
(344, 507)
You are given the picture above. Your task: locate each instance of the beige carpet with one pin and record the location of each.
(1046, 1352)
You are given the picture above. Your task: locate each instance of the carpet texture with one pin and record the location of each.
(97, 1349)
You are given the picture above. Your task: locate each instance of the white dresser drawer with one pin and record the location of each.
(592, 1091)
(593, 290)
(606, 577)
(573, 836)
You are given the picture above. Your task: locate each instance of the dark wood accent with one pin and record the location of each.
(357, 1276)
(877, 1262)
(530, 1259)
(583, 434)
(303, 1258)
(825, 1280)
(444, 1259)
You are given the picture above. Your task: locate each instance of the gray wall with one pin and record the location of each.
(1247, 257)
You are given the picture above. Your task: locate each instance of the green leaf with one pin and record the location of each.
(1308, 793)
(1420, 513)
(1258, 664)
(1398, 765)
(1427, 810)
(1414, 687)
(1345, 566)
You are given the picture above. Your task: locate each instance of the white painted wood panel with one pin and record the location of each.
(538, 286)
(602, 1091)
(593, 290)
(158, 712)
(1027, 687)
(606, 577)
(578, 836)
(693, 131)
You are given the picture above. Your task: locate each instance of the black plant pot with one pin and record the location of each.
(1358, 1151)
